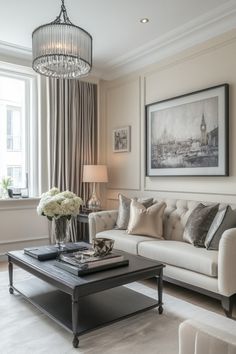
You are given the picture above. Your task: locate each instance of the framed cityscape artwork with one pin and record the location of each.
(188, 135)
(121, 139)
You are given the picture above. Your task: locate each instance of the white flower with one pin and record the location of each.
(68, 194)
(53, 191)
(55, 204)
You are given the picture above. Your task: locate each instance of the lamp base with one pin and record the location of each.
(94, 203)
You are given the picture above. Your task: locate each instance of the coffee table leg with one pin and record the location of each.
(160, 291)
(75, 314)
(10, 271)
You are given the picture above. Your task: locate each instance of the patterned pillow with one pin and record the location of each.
(199, 223)
(225, 219)
(124, 210)
(146, 221)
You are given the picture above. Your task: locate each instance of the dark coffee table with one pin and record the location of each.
(82, 304)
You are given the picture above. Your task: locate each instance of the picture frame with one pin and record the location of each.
(188, 135)
(121, 139)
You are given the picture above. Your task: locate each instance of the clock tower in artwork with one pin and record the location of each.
(203, 131)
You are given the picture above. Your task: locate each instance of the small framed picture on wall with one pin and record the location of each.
(121, 139)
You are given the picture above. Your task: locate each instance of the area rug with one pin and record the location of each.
(25, 330)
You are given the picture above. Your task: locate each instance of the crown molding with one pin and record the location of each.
(7, 48)
(216, 22)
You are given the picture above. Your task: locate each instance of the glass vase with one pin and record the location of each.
(5, 194)
(61, 226)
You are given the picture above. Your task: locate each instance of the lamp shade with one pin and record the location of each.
(95, 173)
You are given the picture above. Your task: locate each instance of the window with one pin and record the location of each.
(18, 127)
(14, 130)
(15, 172)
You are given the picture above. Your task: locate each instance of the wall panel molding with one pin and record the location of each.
(20, 240)
(118, 115)
(207, 65)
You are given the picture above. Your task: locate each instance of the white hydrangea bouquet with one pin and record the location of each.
(55, 204)
(59, 207)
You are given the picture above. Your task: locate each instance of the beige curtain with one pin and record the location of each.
(72, 113)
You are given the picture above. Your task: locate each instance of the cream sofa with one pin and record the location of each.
(200, 338)
(209, 272)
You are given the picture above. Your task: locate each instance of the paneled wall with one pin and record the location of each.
(123, 103)
(124, 113)
(20, 225)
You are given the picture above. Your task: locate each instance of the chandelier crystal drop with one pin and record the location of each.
(61, 49)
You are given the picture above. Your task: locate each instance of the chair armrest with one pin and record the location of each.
(100, 221)
(227, 263)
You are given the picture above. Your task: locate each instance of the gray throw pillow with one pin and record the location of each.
(199, 223)
(225, 219)
(124, 210)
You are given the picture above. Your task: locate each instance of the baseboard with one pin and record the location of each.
(21, 244)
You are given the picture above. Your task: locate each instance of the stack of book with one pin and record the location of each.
(82, 263)
(44, 253)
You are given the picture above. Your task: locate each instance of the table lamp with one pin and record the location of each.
(94, 174)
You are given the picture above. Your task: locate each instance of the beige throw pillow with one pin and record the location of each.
(146, 221)
(124, 210)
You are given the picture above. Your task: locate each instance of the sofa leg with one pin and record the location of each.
(227, 304)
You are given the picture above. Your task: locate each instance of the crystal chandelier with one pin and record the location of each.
(61, 49)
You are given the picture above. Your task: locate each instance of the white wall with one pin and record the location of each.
(20, 226)
(123, 103)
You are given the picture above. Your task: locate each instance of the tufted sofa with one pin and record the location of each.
(209, 272)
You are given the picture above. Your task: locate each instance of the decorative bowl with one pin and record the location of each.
(102, 246)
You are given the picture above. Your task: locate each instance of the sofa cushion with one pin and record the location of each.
(124, 210)
(146, 221)
(123, 241)
(225, 219)
(199, 223)
(181, 254)
(176, 216)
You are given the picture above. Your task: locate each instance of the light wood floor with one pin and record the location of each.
(190, 296)
(177, 291)
(3, 266)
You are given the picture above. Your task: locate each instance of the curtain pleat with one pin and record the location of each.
(72, 136)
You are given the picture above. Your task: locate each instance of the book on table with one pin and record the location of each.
(43, 253)
(81, 263)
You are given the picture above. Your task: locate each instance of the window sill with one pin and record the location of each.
(21, 203)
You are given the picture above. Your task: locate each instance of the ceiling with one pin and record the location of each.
(121, 42)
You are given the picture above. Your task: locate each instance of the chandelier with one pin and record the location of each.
(61, 49)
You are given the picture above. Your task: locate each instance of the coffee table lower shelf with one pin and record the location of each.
(94, 311)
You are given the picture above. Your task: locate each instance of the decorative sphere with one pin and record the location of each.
(102, 246)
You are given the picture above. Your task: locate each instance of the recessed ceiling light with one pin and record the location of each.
(144, 20)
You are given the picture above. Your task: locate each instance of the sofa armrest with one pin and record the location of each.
(227, 263)
(100, 221)
(197, 338)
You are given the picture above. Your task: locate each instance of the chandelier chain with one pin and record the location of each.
(63, 17)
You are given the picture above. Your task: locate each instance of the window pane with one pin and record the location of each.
(14, 130)
(13, 154)
(15, 172)
(9, 122)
